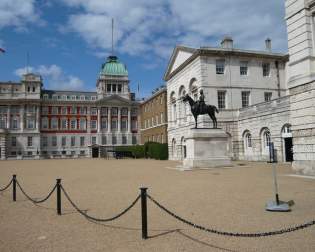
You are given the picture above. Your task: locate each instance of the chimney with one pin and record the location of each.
(227, 42)
(268, 44)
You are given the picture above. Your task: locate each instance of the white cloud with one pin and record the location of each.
(157, 26)
(18, 13)
(53, 77)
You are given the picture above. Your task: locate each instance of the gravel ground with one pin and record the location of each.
(229, 199)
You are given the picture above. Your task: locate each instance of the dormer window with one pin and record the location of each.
(45, 96)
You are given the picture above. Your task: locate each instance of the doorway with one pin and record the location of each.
(288, 149)
(95, 152)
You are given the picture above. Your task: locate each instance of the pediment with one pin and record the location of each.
(116, 100)
(179, 56)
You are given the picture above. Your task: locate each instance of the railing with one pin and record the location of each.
(58, 187)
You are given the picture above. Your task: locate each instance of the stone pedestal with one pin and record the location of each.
(206, 148)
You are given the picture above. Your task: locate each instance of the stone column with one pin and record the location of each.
(129, 120)
(109, 111)
(8, 116)
(37, 117)
(98, 120)
(22, 112)
(119, 119)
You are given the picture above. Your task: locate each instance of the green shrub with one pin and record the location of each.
(136, 150)
(156, 150)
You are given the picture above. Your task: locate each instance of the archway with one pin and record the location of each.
(287, 143)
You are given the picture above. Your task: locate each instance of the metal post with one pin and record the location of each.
(14, 187)
(144, 212)
(59, 196)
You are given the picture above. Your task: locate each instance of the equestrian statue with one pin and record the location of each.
(200, 108)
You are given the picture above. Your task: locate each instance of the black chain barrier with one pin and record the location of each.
(6, 187)
(214, 231)
(94, 218)
(34, 200)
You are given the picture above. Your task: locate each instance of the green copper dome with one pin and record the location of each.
(114, 67)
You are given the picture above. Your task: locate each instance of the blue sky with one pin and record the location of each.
(68, 40)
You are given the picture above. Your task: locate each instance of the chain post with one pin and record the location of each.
(58, 196)
(14, 187)
(144, 212)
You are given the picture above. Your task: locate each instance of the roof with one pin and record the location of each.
(114, 67)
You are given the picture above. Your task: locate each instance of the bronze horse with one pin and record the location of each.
(206, 109)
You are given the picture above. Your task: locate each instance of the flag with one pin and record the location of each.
(2, 50)
(138, 88)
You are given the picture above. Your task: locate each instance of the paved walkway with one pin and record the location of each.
(227, 199)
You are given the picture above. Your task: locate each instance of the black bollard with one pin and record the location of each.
(144, 213)
(14, 187)
(59, 196)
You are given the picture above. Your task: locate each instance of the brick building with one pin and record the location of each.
(154, 117)
(35, 122)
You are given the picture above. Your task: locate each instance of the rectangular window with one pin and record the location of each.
(104, 140)
(44, 123)
(13, 141)
(54, 111)
(29, 141)
(114, 140)
(3, 122)
(268, 96)
(220, 66)
(157, 119)
(72, 110)
(30, 108)
(124, 111)
(93, 124)
(124, 124)
(82, 141)
(93, 140)
(104, 123)
(245, 99)
(44, 110)
(73, 141)
(30, 123)
(54, 123)
(162, 118)
(134, 140)
(64, 110)
(243, 68)
(221, 99)
(73, 123)
(93, 111)
(124, 140)
(114, 111)
(15, 123)
(114, 124)
(63, 141)
(54, 141)
(64, 123)
(266, 69)
(82, 110)
(104, 111)
(134, 125)
(44, 141)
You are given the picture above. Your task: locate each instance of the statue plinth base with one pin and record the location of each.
(206, 148)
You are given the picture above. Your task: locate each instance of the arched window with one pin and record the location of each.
(266, 137)
(193, 89)
(173, 147)
(247, 140)
(182, 105)
(173, 106)
(183, 147)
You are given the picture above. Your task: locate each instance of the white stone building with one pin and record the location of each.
(35, 122)
(233, 80)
